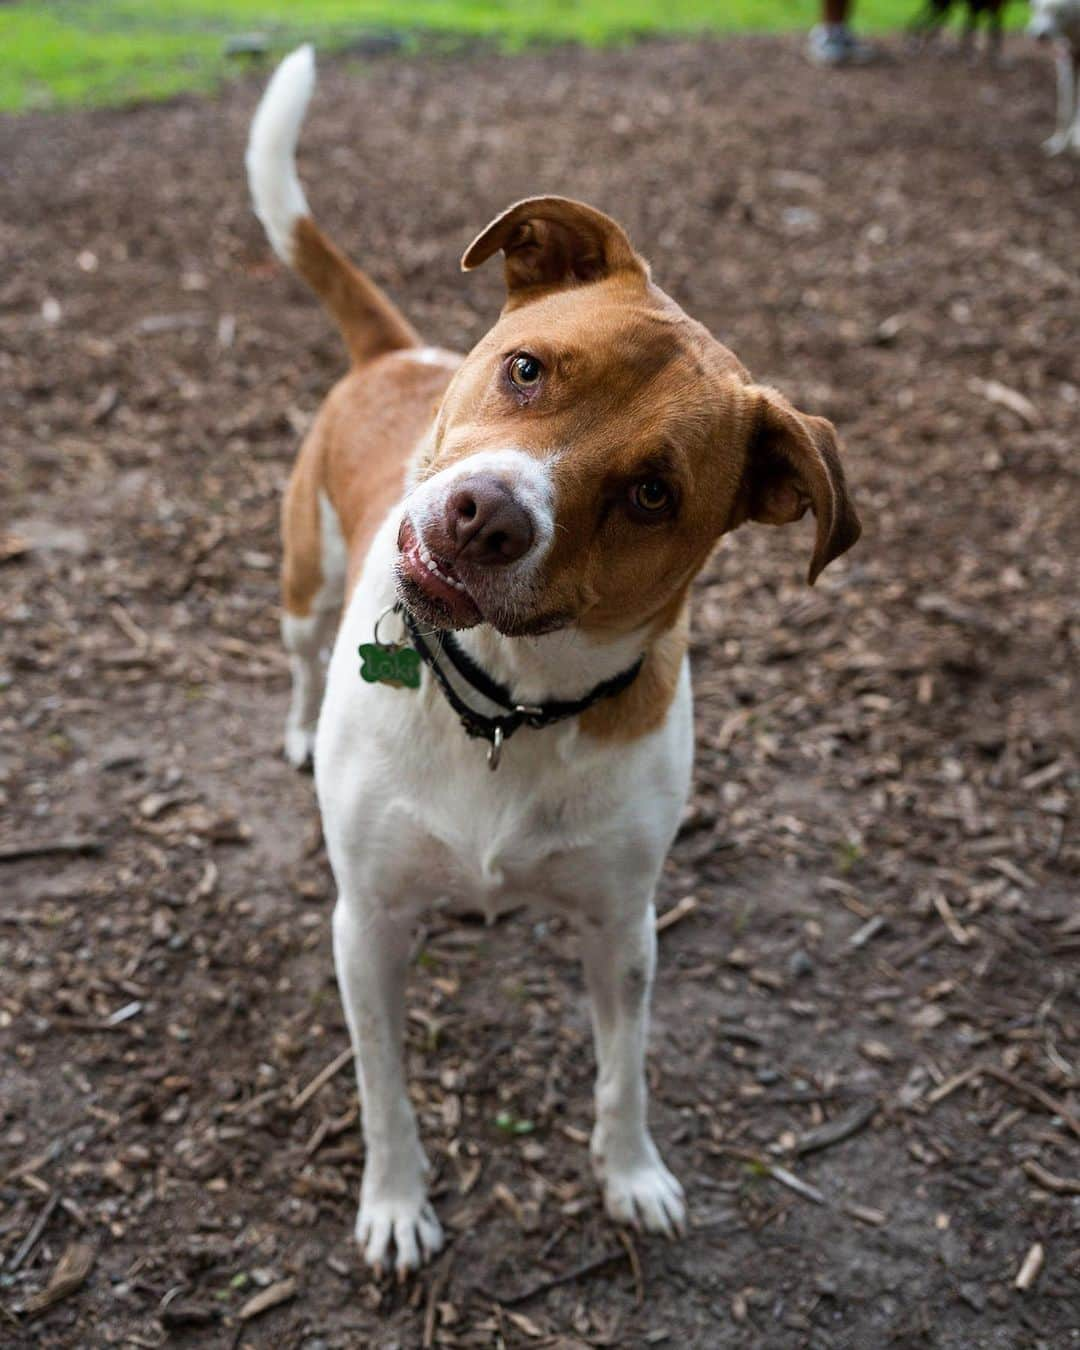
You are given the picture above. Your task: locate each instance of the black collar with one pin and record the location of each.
(502, 726)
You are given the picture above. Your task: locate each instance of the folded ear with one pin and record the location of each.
(793, 463)
(549, 242)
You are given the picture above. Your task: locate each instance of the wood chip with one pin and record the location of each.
(268, 1298)
(525, 1324)
(865, 1214)
(869, 929)
(996, 392)
(679, 911)
(877, 1051)
(1029, 1271)
(13, 546)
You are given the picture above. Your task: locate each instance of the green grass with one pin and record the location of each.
(67, 52)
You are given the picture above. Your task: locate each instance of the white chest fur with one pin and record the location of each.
(414, 813)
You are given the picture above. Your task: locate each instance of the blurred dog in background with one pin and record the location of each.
(1058, 21)
(934, 15)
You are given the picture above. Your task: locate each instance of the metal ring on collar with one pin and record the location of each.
(390, 609)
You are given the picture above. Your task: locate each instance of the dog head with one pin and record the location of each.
(593, 447)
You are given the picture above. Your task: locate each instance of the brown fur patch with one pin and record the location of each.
(357, 452)
(642, 708)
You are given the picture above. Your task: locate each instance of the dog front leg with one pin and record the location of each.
(371, 950)
(619, 957)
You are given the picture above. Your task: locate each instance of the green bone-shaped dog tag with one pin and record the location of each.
(390, 664)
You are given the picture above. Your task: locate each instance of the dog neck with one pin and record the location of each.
(563, 665)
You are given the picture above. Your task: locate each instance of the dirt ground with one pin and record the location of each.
(882, 844)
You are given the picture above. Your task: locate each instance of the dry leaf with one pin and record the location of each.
(70, 1272)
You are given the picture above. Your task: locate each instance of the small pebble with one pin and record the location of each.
(800, 965)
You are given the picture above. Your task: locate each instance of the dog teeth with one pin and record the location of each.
(435, 568)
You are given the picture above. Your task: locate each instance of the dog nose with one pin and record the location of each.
(485, 522)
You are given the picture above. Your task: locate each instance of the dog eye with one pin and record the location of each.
(651, 498)
(525, 371)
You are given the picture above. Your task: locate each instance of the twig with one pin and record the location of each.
(635, 1265)
(30, 1241)
(679, 911)
(837, 1094)
(1049, 1181)
(869, 929)
(950, 1085)
(793, 1183)
(78, 844)
(837, 1130)
(1055, 1107)
(1029, 1271)
(542, 1286)
(438, 1284)
(957, 931)
(553, 1241)
(127, 625)
(1020, 1085)
(320, 1080)
(917, 949)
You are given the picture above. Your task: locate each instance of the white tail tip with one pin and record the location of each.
(271, 151)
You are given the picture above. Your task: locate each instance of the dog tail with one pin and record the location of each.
(369, 321)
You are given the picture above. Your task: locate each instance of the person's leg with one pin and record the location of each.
(832, 42)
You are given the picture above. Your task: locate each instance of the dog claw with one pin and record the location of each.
(410, 1227)
(645, 1196)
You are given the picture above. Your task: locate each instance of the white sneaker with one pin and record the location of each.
(834, 44)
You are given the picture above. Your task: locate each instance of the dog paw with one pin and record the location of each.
(410, 1227)
(1056, 144)
(299, 746)
(640, 1191)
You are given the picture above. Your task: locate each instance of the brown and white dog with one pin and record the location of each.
(540, 505)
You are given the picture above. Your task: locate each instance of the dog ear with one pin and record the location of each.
(550, 242)
(793, 464)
